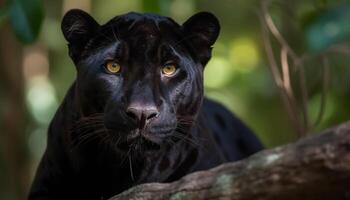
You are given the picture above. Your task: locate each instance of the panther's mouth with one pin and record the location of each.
(139, 143)
(141, 139)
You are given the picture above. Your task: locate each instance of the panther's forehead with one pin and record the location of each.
(143, 35)
(141, 25)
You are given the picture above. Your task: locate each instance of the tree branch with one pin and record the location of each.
(317, 167)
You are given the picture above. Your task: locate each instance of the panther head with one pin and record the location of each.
(142, 74)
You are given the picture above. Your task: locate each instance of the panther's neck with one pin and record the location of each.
(171, 163)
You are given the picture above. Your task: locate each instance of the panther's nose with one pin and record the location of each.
(142, 114)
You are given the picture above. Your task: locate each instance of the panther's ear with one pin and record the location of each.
(202, 30)
(78, 27)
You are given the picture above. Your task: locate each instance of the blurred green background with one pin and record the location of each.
(35, 69)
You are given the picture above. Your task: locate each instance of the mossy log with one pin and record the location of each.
(313, 168)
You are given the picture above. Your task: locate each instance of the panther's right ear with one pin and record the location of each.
(78, 28)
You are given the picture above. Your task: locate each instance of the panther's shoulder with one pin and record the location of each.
(231, 134)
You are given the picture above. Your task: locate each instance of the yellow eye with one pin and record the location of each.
(169, 69)
(113, 67)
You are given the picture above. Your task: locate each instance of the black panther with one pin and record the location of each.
(136, 111)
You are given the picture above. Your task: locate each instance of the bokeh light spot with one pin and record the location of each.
(217, 73)
(41, 99)
(243, 54)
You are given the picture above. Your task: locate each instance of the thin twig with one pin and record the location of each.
(326, 79)
(285, 72)
(275, 32)
(287, 97)
(277, 78)
(304, 98)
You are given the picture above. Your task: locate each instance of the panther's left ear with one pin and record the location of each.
(202, 30)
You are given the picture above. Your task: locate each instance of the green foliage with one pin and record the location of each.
(328, 27)
(25, 17)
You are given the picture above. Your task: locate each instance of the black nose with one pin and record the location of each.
(142, 114)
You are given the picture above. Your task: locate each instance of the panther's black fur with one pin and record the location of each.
(115, 130)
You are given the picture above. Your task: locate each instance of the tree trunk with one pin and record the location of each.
(12, 117)
(317, 167)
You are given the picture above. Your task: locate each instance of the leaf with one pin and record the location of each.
(26, 17)
(330, 27)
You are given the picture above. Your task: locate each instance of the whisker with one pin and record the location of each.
(130, 166)
(185, 138)
(103, 140)
(125, 157)
(87, 137)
